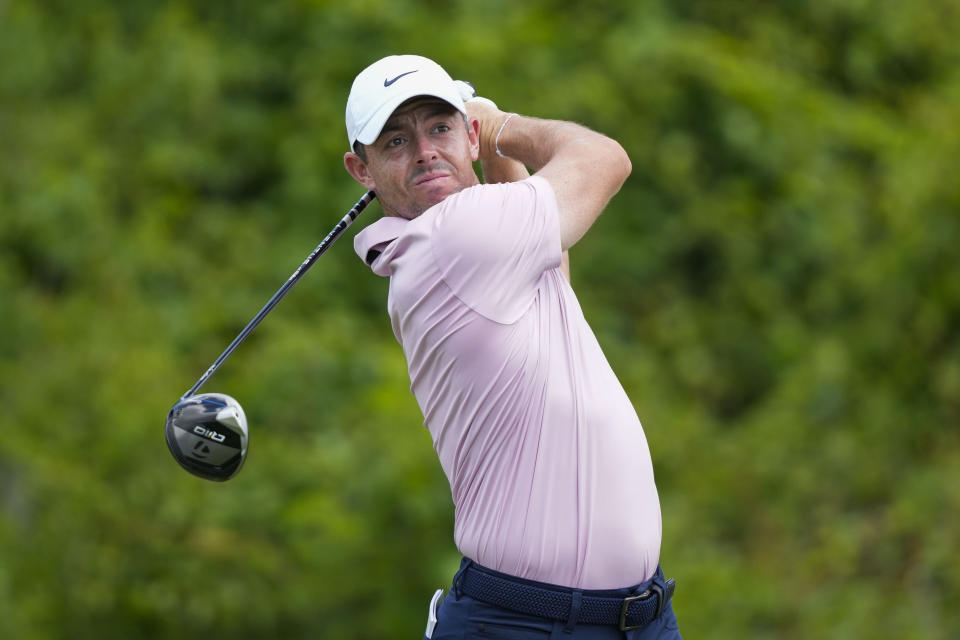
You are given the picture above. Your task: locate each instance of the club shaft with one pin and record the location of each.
(335, 233)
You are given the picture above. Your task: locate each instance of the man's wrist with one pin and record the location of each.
(496, 140)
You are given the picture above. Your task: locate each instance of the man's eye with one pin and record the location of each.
(442, 128)
(395, 142)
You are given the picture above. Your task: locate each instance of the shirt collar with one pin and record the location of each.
(371, 242)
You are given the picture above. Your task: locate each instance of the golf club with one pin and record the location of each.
(207, 433)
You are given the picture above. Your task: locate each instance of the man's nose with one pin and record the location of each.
(426, 149)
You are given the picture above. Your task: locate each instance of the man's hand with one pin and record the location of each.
(490, 119)
(484, 111)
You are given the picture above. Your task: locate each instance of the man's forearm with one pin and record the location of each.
(584, 167)
(535, 141)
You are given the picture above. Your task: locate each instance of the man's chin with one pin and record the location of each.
(429, 197)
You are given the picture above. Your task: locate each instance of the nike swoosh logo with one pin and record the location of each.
(387, 83)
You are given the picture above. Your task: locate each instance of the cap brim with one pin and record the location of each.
(371, 131)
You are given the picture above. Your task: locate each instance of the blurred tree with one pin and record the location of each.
(775, 286)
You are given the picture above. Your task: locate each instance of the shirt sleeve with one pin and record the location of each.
(493, 243)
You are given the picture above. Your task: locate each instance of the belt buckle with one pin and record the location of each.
(654, 588)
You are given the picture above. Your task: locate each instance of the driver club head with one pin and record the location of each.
(207, 435)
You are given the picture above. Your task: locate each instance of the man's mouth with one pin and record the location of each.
(430, 177)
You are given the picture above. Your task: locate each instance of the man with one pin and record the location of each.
(556, 511)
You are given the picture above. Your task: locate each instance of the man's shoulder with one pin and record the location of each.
(487, 223)
(483, 202)
(491, 244)
(496, 190)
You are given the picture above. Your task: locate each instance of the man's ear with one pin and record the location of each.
(357, 168)
(473, 135)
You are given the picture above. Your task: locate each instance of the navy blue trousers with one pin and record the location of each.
(461, 617)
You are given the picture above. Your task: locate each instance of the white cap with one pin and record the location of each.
(386, 84)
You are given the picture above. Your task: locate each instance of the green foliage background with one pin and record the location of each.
(777, 287)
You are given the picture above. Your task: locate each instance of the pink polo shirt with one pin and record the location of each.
(548, 464)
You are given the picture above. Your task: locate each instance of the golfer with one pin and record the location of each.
(556, 510)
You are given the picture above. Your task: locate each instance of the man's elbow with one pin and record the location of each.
(620, 165)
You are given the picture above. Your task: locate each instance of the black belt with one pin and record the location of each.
(558, 603)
